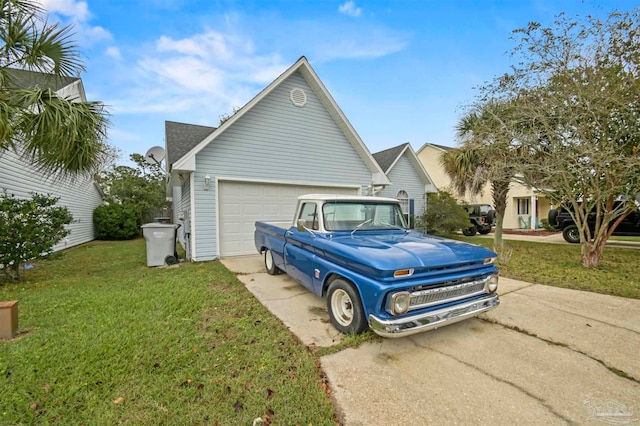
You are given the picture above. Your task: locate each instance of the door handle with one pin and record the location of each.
(289, 232)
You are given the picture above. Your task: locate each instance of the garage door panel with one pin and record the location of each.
(243, 203)
(234, 209)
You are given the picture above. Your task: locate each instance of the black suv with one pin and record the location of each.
(482, 217)
(562, 221)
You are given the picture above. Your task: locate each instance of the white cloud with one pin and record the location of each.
(349, 8)
(76, 10)
(113, 52)
(209, 44)
(89, 35)
(78, 13)
(205, 75)
(359, 47)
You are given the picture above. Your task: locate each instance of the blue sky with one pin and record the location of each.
(400, 70)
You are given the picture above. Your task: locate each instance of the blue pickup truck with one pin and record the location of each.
(375, 273)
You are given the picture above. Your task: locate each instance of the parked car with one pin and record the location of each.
(561, 220)
(482, 218)
(374, 272)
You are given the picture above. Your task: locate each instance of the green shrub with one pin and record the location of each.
(30, 229)
(443, 215)
(116, 222)
(546, 225)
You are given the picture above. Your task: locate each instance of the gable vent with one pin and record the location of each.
(298, 97)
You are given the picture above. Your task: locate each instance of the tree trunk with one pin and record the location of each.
(499, 190)
(498, 242)
(592, 253)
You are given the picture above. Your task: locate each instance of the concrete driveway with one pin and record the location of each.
(545, 356)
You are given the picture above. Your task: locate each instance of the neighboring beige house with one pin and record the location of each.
(525, 206)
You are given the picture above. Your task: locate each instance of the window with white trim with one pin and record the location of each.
(403, 197)
(523, 205)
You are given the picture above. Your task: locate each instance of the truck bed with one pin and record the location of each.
(271, 235)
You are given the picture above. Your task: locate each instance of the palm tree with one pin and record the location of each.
(58, 134)
(484, 156)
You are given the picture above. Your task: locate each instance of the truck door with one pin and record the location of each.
(299, 252)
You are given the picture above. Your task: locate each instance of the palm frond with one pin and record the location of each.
(60, 135)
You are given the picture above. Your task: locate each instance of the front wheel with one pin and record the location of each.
(345, 308)
(571, 234)
(470, 232)
(269, 264)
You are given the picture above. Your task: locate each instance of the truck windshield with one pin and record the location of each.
(347, 216)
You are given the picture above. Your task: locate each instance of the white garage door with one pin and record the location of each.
(243, 203)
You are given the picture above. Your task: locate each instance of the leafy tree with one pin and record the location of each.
(58, 134)
(30, 229)
(142, 187)
(443, 215)
(575, 94)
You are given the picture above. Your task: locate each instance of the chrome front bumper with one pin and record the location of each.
(430, 320)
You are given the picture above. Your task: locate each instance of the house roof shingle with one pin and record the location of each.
(387, 157)
(29, 79)
(181, 137)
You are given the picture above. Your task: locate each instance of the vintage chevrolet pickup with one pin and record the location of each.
(357, 252)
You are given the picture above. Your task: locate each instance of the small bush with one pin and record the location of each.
(443, 215)
(546, 225)
(30, 229)
(116, 222)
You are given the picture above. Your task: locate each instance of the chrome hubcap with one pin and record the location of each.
(342, 307)
(268, 261)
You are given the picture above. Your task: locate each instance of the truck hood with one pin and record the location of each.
(390, 251)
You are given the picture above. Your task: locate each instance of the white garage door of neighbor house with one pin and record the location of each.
(244, 203)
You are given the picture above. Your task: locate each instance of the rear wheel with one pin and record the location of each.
(470, 232)
(571, 234)
(553, 214)
(484, 231)
(345, 308)
(269, 264)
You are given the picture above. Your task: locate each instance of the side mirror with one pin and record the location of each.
(301, 225)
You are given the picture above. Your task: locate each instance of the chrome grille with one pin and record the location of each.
(434, 296)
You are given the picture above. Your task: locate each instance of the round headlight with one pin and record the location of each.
(400, 303)
(492, 284)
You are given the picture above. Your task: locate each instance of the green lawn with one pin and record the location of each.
(106, 340)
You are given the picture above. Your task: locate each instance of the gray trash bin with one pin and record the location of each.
(161, 243)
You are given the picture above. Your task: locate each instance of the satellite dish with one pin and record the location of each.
(154, 155)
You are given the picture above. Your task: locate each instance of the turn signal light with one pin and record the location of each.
(403, 273)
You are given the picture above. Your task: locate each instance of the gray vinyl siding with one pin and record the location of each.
(79, 194)
(275, 141)
(403, 176)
